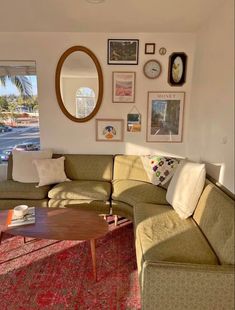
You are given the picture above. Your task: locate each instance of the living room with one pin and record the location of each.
(200, 31)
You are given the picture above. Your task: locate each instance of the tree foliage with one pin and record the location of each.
(21, 82)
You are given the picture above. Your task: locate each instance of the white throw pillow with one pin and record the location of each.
(50, 171)
(186, 187)
(23, 169)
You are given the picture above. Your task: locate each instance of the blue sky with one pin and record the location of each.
(10, 89)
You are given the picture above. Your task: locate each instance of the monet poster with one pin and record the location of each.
(165, 116)
(124, 87)
(109, 129)
(123, 52)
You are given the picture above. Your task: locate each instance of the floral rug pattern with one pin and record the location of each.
(48, 274)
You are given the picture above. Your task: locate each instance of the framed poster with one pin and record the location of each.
(165, 116)
(123, 52)
(124, 87)
(177, 69)
(109, 130)
(133, 122)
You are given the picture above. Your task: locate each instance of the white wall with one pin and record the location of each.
(211, 130)
(63, 135)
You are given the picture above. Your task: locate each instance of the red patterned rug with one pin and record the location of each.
(47, 274)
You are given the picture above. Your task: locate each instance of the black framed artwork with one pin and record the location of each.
(149, 48)
(123, 51)
(177, 69)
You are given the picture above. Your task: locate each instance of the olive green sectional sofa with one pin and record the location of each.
(182, 264)
(90, 184)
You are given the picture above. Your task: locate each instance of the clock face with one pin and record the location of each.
(152, 69)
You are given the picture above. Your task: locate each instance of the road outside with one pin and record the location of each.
(28, 134)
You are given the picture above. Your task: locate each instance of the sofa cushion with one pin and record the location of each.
(16, 190)
(129, 167)
(186, 187)
(215, 216)
(102, 207)
(163, 236)
(132, 192)
(89, 167)
(96, 190)
(6, 204)
(122, 209)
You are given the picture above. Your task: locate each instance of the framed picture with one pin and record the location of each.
(124, 87)
(149, 48)
(165, 116)
(133, 122)
(123, 52)
(109, 130)
(177, 69)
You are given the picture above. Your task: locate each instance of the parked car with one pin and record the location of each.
(4, 155)
(26, 147)
(4, 128)
(9, 128)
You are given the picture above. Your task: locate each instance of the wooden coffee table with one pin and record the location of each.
(61, 224)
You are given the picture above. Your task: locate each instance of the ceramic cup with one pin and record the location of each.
(20, 211)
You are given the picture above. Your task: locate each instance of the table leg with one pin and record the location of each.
(115, 220)
(93, 255)
(1, 235)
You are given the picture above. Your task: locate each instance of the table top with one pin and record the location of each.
(59, 224)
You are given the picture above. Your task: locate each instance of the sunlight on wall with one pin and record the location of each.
(135, 149)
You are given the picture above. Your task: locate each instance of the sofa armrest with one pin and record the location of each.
(186, 286)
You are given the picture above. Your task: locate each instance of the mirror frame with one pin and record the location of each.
(57, 82)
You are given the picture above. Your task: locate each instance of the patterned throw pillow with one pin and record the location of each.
(159, 169)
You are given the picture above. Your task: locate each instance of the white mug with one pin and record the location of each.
(20, 211)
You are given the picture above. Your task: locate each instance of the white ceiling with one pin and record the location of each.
(110, 16)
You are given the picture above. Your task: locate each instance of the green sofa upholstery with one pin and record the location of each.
(17, 190)
(131, 186)
(90, 184)
(182, 264)
(187, 264)
(133, 192)
(97, 190)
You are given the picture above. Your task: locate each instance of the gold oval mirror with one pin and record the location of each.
(79, 84)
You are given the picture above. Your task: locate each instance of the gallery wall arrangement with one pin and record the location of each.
(165, 109)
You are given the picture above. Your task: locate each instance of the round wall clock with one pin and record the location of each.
(152, 69)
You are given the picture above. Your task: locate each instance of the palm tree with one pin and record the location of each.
(21, 82)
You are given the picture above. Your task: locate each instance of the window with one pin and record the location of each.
(19, 117)
(85, 101)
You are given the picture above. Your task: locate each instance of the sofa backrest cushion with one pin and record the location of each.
(10, 165)
(129, 167)
(24, 169)
(89, 167)
(215, 216)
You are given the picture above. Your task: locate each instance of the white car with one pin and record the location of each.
(26, 147)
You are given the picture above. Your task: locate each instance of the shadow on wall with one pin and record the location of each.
(214, 170)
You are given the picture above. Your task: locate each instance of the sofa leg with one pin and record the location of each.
(116, 220)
